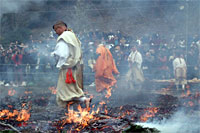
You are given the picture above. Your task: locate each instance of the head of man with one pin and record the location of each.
(134, 48)
(59, 27)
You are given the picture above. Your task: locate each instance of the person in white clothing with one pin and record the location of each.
(180, 69)
(135, 75)
(69, 59)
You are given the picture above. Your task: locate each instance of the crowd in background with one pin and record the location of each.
(22, 62)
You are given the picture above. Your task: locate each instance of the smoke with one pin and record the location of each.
(180, 122)
(8, 6)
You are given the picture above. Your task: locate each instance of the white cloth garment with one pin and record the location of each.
(179, 63)
(62, 51)
(136, 57)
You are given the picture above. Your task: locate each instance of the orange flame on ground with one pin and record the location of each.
(11, 92)
(108, 92)
(150, 112)
(81, 117)
(22, 115)
(53, 90)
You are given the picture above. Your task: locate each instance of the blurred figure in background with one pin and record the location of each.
(180, 70)
(135, 76)
(104, 69)
(17, 59)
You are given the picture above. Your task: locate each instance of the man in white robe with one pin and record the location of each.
(179, 66)
(69, 59)
(135, 75)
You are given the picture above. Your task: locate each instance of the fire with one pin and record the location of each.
(11, 92)
(105, 110)
(22, 115)
(53, 90)
(81, 117)
(149, 112)
(108, 92)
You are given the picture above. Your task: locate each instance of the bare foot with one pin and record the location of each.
(87, 103)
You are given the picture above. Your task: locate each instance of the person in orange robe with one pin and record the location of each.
(104, 69)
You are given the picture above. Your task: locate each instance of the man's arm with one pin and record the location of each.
(61, 53)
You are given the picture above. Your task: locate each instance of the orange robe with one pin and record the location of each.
(104, 68)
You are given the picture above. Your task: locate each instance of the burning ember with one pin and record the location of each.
(80, 117)
(108, 93)
(22, 115)
(149, 112)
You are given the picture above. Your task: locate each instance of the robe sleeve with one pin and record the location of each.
(62, 51)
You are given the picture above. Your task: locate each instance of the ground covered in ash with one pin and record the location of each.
(119, 112)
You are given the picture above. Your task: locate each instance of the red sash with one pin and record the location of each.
(69, 77)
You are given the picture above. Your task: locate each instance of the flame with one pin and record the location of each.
(11, 92)
(22, 115)
(105, 110)
(53, 90)
(150, 112)
(81, 117)
(108, 93)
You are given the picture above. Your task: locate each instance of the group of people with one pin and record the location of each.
(68, 56)
(105, 54)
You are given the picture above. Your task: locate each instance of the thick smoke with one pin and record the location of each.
(180, 122)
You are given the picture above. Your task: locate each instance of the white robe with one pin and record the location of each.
(68, 49)
(135, 75)
(179, 63)
(135, 57)
(179, 66)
